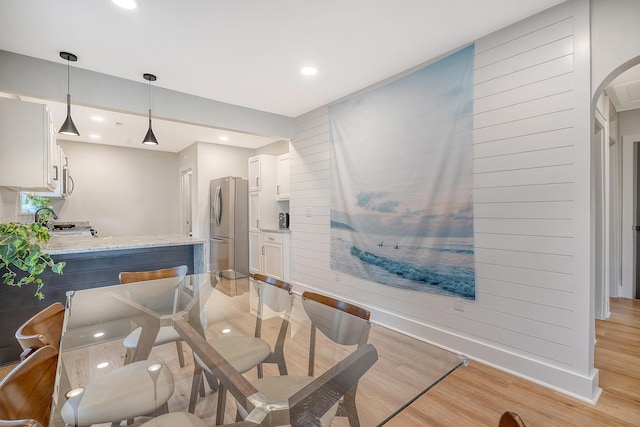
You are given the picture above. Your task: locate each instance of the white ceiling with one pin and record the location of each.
(624, 90)
(249, 52)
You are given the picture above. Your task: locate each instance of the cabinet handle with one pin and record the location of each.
(258, 181)
(278, 190)
(55, 167)
(271, 238)
(263, 250)
(257, 223)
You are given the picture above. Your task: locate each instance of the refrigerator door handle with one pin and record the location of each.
(217, 212)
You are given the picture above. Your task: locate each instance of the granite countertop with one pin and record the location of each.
(78, 244)
(275, 230)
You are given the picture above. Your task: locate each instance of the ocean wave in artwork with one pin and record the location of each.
(459, 281)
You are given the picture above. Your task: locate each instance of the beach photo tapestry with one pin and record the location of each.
(401, 182)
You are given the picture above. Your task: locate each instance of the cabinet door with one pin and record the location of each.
(272, 260)
(283, 177)
(254, 211)
(254, 174)
(27, 146)
(255, 253)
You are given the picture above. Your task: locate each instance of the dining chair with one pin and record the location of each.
(26, 392)
(350, 327)
(246, 352)
(138, 389)
(510, 419)
(175, 419)
(166, 334)
(20, 423)
(313, 401)
(343, 323)
(43, 328)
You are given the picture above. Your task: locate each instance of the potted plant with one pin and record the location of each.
(20, 250)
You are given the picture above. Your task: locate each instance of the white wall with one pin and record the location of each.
(122, 191)
(531, 313)
(629, 122)
(614, 35)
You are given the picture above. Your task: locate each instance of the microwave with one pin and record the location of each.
(283, 220)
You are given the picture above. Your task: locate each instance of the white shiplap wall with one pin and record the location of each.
(524, 317)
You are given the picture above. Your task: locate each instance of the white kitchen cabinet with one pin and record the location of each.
(263, 208)
(255, 252)
(282, 185)
(27, 146)
(62, 177)
(275, 255)
(254, 173)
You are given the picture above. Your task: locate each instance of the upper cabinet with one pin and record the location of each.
(263, 212)
(282, 186)
(27, 146)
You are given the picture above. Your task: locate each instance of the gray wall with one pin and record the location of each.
(122, 191)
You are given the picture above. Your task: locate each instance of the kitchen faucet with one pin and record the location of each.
(35, 219)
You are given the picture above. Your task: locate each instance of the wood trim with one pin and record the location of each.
(337, 304)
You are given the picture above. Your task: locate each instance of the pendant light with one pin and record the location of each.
(149, 138)
(68, 128)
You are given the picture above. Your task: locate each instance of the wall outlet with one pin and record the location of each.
(458, 304)
(308, 211)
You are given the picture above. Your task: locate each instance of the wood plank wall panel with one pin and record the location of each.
(523, 203)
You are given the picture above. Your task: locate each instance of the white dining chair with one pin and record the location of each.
(166, 334)
(246, 352)
(133, 390)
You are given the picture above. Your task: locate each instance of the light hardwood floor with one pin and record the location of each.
(477, 395)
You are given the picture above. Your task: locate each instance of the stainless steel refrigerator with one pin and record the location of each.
(229, 227)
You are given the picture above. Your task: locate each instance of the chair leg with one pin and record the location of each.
(348, 408)
(222, 403)
(164, 409)
(128, 356)
(196, 385)
(259, 368)
(180, 353)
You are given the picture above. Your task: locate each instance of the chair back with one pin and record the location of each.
(27, 391)
(141, 276)
(19, 423)
(510, 419)
(343, 323)
(44, 328)
(311, 402)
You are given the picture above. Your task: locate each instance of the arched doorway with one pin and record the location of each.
(614, 185)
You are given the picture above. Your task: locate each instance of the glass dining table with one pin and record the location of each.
(391, 369)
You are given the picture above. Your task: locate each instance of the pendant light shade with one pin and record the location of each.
(68, 128)
(149, 138)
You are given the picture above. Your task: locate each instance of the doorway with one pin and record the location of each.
(186, 211)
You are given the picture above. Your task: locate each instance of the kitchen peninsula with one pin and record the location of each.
(92, 262)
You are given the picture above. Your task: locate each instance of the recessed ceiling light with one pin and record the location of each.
(102, 365)
(94, 136)
(226, 330)
(98, 334)
(223, 138)
(97, 118)
(309, 71)
(126, 4)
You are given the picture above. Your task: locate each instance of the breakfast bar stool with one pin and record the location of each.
(123, 394)
(166, 334)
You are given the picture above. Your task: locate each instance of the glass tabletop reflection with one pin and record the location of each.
(97, 321)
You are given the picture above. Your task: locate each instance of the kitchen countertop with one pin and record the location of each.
(275, 230)
(77, 244)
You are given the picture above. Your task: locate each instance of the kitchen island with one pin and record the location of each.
(92, 262)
